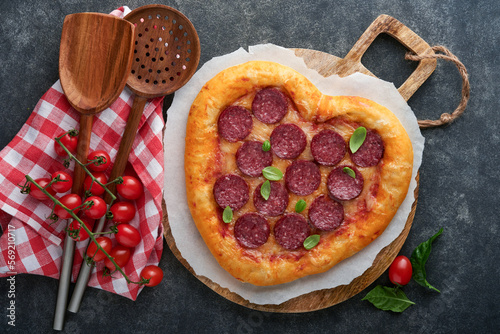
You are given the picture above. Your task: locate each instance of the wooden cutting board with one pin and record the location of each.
(327, 65)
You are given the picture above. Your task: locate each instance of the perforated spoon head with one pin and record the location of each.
(166, 52)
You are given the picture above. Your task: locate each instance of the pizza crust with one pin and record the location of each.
(205, 162)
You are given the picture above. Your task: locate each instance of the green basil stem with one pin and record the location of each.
(82, 224)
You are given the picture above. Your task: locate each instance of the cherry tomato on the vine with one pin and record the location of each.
(154, 273)
(37, 193)
(123, 212)
(94, 187)
(400, 270)
(65, 183)
(82, 234)
(71, 201)
(127, 235)
(70, 142)
(98, 209)
(131, 188)
(120, 254)
(94, 166)
(97, 254)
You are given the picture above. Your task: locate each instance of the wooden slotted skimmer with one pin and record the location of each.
(94, 61)
(166, 55)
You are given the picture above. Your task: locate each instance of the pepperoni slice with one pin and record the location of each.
(326, 214)
(251, 159)
(370, 152)
(235, 123)
(328, 147)
(288, 141)
(302, 177)
(291, 231)
(231, 190)
(251, 230)
(277, 202)
(269, 105)
(343, 187)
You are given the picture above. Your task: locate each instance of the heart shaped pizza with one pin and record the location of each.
(283, 181)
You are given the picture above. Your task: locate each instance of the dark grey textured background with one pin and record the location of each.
(459, 177)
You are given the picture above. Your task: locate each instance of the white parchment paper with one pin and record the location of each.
(184, 231)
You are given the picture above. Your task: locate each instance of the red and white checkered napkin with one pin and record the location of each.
(38, 245)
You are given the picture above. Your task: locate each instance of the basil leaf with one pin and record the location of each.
(266, 146)
(349, 172)
(300, 206)
(419, 258)
(265, 190)
(388, 299)
(227, 215)
(311, 241)
(272, 173)
(357, 139)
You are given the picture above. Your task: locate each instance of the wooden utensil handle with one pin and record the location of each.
(126, 143)
(82, 151)
(403, 34)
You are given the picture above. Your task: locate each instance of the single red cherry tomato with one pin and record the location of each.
(37, 193)
(120, 254)
(70, 142)
(94, 187)
(98, 209)
(127, 235)
(82, 234)
(400, 270)
(99, 167)
(154, 273)
(97, 254)
(65, 183)
(131, 188)
(71, 201)
(123, 212)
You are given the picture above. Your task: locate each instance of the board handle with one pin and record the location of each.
(389, 25)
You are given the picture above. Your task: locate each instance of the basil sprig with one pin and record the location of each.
(265, 190)
(311, 241)
(357, 139)
(300, 206)
(388, 299)
(272, 173)
(393, 298)
(419, 258)
(227, 215)
(349, 171)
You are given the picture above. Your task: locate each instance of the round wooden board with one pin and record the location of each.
(325, 64)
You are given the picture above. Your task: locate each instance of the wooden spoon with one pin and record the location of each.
(166, 55)
(94, 62)
(95, 58)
